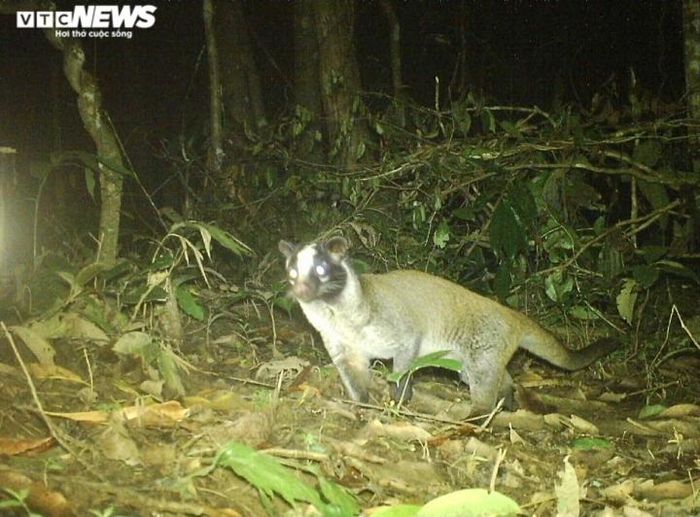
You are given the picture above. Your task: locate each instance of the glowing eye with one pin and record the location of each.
(321, 270)
(293, 274)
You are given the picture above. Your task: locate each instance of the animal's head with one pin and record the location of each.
(316, 271)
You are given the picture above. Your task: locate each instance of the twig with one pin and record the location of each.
(55, 433)
(494, 473)
(616, 227)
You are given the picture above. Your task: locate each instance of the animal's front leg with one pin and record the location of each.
(402, 362)
(354, 371)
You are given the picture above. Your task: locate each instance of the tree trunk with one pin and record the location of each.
(215, 152)
(98, 126)
(691, 36)
(108, 150)
(340, 81)
(307, 93)
(240, 84)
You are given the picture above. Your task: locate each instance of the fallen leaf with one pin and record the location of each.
(55, 372)
(668, 490)
(400, 431)
(17, 446)
(583, 425)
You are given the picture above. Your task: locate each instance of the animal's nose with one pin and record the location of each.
(304, 291)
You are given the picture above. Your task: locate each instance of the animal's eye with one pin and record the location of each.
(293, 274)
(321, 270)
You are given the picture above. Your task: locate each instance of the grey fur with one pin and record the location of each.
(406, 314)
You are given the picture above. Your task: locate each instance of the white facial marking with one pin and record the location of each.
(305, 260)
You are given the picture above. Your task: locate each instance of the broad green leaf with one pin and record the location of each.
(267, 474)
(167, 366)
(341, 502)
(645, 276)
(470, 502)
(558, 286)
(463, 213)
(77, 327)
(651, 254)
(591, 444)
(581, 312)
(651, 411)
(432, 360)
(502, 281)
(507, 234)
(89, 272)
(671, 266)
(627, 299)
(647, 152)
(188, 303)
(227, 240)
(40, 347)
(133, 343)
(523, 203)
(465, 123)
(155, 294)
(441, 235)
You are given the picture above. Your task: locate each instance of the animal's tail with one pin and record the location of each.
(544, 345)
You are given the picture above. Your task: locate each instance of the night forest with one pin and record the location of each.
(160, 356)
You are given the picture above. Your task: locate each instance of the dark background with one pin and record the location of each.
(516, 53)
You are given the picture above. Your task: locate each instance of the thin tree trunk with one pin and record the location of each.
(691, 37)
(307, 94)
(215, 154)
(97, 125)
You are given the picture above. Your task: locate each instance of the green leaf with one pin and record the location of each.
(89, 272)
(40, 347)
(676, 268)
(488, 121)
(432, 360)
(464, 214)
(645, 276)
(168, 368)
(400, 510)
(501, 283)
(155, 294)
(651, 411)
(627, 299)
(507, 233)
(134, 343)
(558, 286)
(651, 254)
(470, 502)
(441, 235)
(187, 303)
(266, 474)
(341, 502)
(582, 312)
(647, 152)
(465, 123)
(523, 203)
(591, 444)
(227, 240)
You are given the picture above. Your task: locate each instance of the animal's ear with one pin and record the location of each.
(337, 247)
(286, 248)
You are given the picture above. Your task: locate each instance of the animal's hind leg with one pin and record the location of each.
(488, 383)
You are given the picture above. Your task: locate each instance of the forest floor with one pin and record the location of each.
(87, 439)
